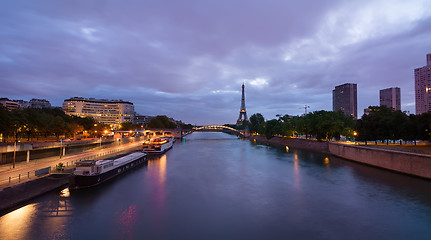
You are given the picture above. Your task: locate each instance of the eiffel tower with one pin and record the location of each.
(242, 112)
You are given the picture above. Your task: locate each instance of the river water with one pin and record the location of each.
(215, 186)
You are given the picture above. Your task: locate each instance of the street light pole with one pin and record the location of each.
(61, 146)
(14, 154)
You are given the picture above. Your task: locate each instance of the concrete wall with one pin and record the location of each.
(18, 147)
(307, 144)
(408, 163)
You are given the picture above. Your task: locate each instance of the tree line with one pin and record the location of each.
(33, 123)
(322, 125)
(52, 123)
(382, 124)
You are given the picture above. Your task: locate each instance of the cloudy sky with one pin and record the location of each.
(187, 59)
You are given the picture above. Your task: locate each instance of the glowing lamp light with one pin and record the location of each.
(326, 160)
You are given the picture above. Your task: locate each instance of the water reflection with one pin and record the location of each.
(127, 221)
(297, 174)
(231, 189)
(17, 224)
(326, 161)
(159, 163)
(157, 168)
(60, 207)
(162, 169)
(50, 215)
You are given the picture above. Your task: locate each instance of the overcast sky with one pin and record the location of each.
(187, 59)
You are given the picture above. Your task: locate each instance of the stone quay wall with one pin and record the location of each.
(414, 164)
(408, 163)
(307, 144)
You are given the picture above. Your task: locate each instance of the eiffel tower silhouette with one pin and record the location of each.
(242, 113)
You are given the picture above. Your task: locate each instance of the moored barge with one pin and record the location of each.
(92, 173)
(158, 145)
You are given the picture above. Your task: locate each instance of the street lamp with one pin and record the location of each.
(14, 153)
(355, 134)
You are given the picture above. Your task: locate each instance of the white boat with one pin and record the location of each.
(92, 173)
(158, 145)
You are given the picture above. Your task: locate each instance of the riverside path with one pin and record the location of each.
(24, 171)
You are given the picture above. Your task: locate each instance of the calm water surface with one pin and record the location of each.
(215, 186)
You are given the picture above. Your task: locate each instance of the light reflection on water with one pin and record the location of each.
(213, 186)
(49, 215)
(157, 171)
(127, 221)
(17, 224)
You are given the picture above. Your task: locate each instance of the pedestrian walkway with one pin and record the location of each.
(34, 169)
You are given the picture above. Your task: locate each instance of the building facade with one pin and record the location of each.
(111, 112)
(391, 98)
(344, 98)
(33, 103)
(141, 119)
(39, 103)
(423, 87)
(8, 104)
(23, 104)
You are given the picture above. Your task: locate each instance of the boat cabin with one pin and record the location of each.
(87, 168)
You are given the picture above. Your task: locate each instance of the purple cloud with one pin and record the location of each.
(189, 59)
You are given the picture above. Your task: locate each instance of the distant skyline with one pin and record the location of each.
(188, 59)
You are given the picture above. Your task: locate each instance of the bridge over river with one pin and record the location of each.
(217, 128)
(179, 133)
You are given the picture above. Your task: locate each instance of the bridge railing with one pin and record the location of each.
(219, 128)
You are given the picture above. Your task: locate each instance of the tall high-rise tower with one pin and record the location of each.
(423, 87)
(391, 98)
(242, 113)
(344, 98)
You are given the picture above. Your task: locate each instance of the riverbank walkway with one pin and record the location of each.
(35, 169)
(421, 147)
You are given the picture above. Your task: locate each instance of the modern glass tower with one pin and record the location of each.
(344, 98)
(391, 98)
(423, 87)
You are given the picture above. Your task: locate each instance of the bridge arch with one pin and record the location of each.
(217, 128)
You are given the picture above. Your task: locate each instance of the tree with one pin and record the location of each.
(4, 122)
(385, 124)
(272, 127)
(256, 123)
(161, 121)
